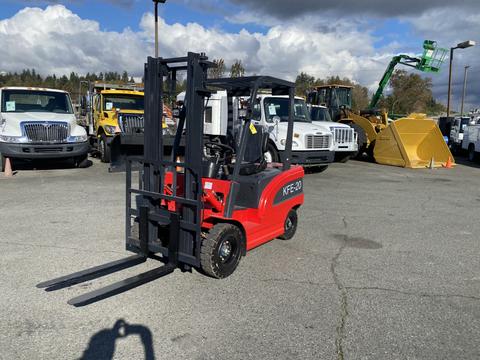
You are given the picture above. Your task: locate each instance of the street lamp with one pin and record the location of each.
(462, 45)
(156, 24)
(464, 87)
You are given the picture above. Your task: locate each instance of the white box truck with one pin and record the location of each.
(39, 123)
(312, 143)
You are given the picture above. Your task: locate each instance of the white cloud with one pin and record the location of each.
(449, 27)
(55, 40)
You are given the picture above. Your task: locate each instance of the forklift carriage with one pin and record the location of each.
(211, 200)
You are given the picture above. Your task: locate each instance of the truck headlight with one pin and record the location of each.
(284, 142)
(110, 129)
(75, 139)
(13, 139)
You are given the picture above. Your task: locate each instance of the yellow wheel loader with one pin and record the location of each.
(414, 141)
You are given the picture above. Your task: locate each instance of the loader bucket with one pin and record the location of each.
(412, 142)
(120, 148)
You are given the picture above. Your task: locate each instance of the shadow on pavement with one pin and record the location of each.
(102, 344)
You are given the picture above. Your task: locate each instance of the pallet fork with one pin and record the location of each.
(195, 212)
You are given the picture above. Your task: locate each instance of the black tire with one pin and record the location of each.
(81, 161)
(341, 158)
(221, 251)
(105, 151)
(272, 150)
(361, 140)
(3, 161)
(290, 225)
(472, 155)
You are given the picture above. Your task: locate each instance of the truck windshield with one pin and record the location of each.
(123, 102)
(36, 101)
(320, 114)
(279, 107)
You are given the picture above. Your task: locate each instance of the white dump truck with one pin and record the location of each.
(38, 123)
(312, 143)
(344, 137)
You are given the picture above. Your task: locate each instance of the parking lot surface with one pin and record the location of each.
(385, 265)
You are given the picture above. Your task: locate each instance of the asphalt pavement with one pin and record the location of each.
(385, 265)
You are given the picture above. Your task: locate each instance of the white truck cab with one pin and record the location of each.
(456, 133)
(344, 137)
(39, 123)
(471, 140)
(312, 143)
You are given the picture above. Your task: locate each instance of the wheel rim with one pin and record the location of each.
(288, 224)
(225, 251)
(268, 156)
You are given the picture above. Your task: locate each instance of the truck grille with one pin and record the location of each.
(46, 132)
(343, 135)
(317, 141)
(131, 123)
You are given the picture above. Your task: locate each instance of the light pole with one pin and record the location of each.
(464, 87)
(156, 24)
(462, 45)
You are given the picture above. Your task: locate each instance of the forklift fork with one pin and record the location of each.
(115, 266)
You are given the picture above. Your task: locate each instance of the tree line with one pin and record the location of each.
(409, 91)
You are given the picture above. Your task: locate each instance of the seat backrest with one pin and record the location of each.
(255, 145)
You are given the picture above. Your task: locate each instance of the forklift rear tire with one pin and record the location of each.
(105, 152)
(290, 225)
(221, 250)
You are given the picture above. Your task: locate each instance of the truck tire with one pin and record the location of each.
(81, 161)
(272, 154)
(361, 141)
(472, 154)
(221, 251)
(105, 151)
(3, 161)
(290, 225)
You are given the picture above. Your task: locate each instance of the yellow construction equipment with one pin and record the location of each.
(412, 142)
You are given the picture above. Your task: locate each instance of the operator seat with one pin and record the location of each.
(254, 175)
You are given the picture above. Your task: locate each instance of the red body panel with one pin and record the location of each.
(259, 225)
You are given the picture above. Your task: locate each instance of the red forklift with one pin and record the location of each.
(208, 201)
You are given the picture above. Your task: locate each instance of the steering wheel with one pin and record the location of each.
(221, 151)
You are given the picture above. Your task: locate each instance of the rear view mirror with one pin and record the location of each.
(83, 105)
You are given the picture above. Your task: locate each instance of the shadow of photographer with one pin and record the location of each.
(102, 344)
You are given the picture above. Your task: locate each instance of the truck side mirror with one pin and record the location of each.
(83, 106)
(276, 120)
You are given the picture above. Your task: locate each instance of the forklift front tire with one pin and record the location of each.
(290, 225)
(221, 250)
